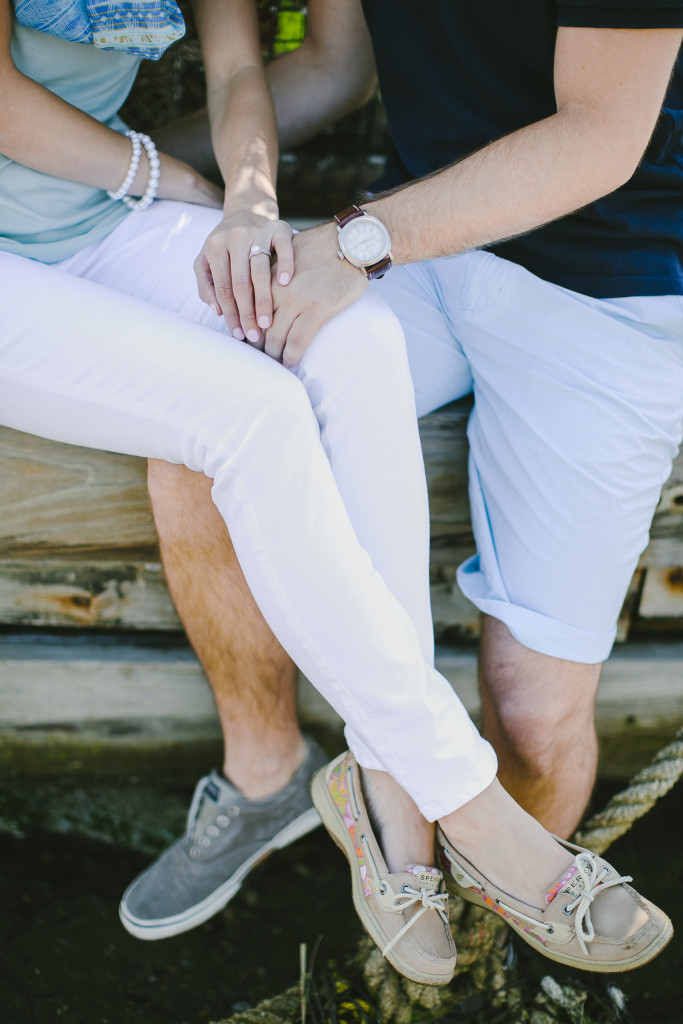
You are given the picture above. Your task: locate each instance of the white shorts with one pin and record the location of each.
(578, 415)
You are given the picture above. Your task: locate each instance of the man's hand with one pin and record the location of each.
(322, 286)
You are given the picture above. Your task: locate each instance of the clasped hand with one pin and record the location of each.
(234, 270)
(278, 308)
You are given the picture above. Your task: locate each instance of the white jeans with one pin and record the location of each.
(318, 475)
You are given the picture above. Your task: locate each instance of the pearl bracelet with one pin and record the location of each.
(132, 167)
(154, 175)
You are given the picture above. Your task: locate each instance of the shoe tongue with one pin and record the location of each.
(427, 878)
(216, 790)
(571, 883)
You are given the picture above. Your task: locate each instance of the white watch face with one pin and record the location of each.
(364, 241)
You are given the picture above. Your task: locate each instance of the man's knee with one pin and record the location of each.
(181, 501)
(536, 709)
(538, 735)
(166, 479)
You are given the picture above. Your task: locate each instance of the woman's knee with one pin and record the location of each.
(366, 337)
(272, 414)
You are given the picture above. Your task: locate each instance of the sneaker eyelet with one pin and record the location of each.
(568, 909)
(195, 852)
(212, 831)
(233, 811)
(550, 929)
(204, 841)
(223, 820)
(382, 890)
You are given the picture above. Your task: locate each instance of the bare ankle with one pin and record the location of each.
(509, 846)
(404, 836)
(261, 770)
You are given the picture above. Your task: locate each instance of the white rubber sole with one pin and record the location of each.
(165, 928)
(327, 809)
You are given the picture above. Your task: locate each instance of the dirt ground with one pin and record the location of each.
(66, 958)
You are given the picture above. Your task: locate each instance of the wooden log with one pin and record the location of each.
(66, 499)
(59, 498)
(78, 592)
(662, 596)
(66, 702)
(78, 548)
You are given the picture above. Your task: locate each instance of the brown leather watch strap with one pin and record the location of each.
(350, 213)
(378, 269)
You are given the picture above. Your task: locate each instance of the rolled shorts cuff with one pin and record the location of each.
(534, 630)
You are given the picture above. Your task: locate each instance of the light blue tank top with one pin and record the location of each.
(49, 218)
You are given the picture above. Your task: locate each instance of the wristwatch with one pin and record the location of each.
(363, 241)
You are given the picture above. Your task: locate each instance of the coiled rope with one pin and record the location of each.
(641, 794)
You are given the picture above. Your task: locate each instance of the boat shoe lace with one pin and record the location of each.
(408, 896)
(593, 884)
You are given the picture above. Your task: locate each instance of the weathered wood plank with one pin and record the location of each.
(629, 609)
(129, 693)
(77, 543)
(58, 497)
(662, 596)
(77, 592)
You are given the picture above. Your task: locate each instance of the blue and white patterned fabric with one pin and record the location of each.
(146, 28)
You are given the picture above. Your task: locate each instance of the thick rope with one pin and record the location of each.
(643, 791)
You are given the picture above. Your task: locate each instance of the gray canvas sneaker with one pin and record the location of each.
(226, 836)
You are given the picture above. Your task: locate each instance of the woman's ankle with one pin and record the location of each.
(404, 835)
(506, 843)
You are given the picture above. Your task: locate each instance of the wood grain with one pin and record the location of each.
(108, 693)
(78, 547)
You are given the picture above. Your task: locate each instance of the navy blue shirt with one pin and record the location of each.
(457, 74)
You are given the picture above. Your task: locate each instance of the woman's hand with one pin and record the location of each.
(234, 270)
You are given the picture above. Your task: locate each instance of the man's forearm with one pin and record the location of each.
(514, 185)
(609, 86)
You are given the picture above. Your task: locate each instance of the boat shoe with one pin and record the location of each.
(572, 927)
(406, 912)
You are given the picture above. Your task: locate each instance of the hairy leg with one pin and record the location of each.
(253, 680)
(538, 714)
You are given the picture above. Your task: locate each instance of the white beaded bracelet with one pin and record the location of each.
(154, 175)
(132, 167)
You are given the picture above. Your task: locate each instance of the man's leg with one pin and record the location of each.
(252, 678)
(569, 453)
(526, 696)
(538, 714)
